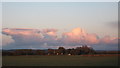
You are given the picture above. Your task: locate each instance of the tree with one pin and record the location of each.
(40, 52)
(85, 50)
(78, 50)
(61, 50)
(50, 52)
(72, 51)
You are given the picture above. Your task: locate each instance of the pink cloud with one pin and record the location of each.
(79, 35)
(20, 31)
(76, 37)
(109, 40)
(92, 38)
(51, 32)
(31, 36)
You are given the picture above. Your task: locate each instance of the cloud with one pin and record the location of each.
(78, 35)
(6, 40)
(109, 40)
(26, 37)
(30, 36)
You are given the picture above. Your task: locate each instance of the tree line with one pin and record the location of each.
(84, 50)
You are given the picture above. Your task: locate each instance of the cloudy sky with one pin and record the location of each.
(50, 25)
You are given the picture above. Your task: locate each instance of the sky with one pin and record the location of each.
(54, 24)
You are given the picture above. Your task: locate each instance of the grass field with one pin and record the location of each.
(60, 60)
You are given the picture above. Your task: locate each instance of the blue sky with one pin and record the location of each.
(60, 15)
(94, 17)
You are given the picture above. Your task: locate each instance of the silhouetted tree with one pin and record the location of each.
(50, 52)
(61, 50)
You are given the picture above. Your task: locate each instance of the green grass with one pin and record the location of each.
(60, 60)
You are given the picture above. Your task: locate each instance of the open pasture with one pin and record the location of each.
(60, 60)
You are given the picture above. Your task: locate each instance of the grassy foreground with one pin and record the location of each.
(60, 60)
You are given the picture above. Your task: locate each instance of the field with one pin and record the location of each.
(60, 60)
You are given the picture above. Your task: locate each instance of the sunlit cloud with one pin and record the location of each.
(49, 38)
(78, 35)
